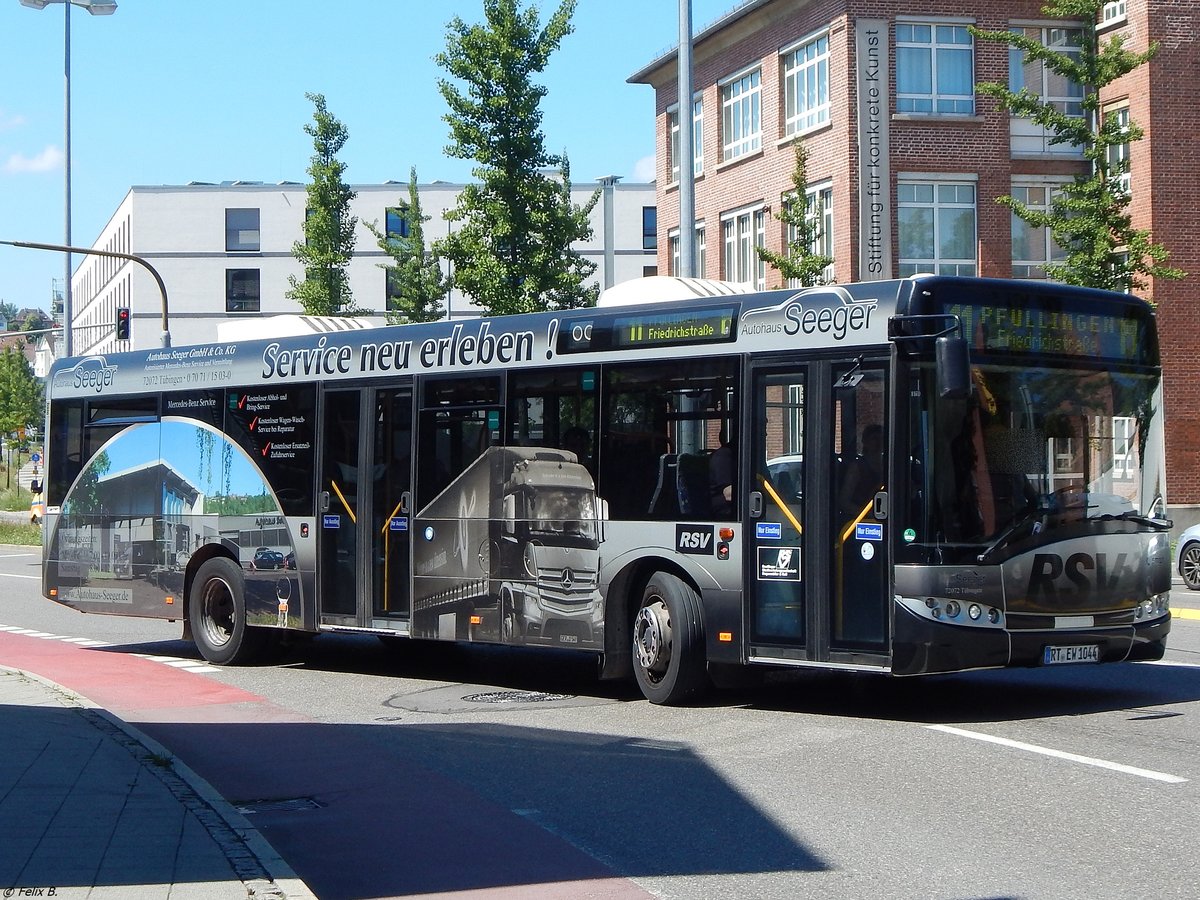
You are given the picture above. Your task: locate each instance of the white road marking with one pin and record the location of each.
(11, 575)
(1060, 754)
(188, 665)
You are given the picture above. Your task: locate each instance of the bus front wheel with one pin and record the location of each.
(217, 614)
(668, 641)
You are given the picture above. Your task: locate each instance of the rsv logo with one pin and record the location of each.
(696, 539)
(1088, 574)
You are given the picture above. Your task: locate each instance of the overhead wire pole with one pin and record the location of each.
(687, 171)
(63, 248)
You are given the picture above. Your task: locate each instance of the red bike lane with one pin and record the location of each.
(351, 817)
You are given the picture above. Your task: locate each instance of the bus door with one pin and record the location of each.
(816, 572)
(859, 596)
(365, 495)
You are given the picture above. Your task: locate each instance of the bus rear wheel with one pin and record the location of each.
(217, 615)
(668, 641)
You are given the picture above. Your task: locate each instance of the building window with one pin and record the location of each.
(242, 292)
(697, 251)
(649, 228)
(241, 230)
(1112, 12)
(1062, 93)
(818, 201)
(649, 271)
(936, 227)
(742, 233)
(697, 139)
(741, 115)
(396, 223)
(934, 69)
(1118, 154)
(1033, 247)
(806, 86)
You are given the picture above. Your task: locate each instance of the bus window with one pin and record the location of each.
(554, 408)
(661, 425)
(460, 418)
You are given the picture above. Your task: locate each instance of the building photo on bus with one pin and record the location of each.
(909, 477)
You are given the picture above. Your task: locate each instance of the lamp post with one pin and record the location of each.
(96, 8)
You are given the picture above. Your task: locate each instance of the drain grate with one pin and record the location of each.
(516, 697)
(295, 804)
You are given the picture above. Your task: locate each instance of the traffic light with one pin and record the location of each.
(122, 323)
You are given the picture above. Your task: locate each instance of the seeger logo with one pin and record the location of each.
(90, 374)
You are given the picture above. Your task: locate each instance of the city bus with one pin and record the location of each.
(915, 476)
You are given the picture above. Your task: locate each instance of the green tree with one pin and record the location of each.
(8, 314)
(512, 252)
(799, 262)
(1088, 218)
(22, 402)
(328, 243)
(31, 320)
(415, 280)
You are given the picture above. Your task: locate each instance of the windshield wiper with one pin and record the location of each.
(1138, 519)
(1030, 514)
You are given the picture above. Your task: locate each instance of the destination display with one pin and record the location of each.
(704, 326)
(1055, 329)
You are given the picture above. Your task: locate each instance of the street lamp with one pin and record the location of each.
(96, 8)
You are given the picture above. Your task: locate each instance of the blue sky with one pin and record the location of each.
(167, 92)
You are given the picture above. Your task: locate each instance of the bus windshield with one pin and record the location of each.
(1034, 450)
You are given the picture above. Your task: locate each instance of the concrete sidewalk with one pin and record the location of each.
(91, 808)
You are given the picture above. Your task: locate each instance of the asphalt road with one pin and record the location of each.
(385, 770)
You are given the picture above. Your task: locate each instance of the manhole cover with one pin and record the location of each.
(516, 697)
(296, 804)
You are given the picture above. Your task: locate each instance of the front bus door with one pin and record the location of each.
(365, 490)
(817, 571)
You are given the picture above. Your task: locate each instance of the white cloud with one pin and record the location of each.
(643, 169)
(47, 161)
(9, 121)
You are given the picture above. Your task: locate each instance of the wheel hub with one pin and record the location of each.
(652, 637)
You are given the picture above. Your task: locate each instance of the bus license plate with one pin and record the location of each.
(1080, 654)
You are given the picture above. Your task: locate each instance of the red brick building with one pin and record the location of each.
(905, 159)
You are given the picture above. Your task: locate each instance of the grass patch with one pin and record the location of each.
(13, 499)
(21, 533)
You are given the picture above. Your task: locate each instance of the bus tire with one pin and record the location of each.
(217, 614)
(668, 641)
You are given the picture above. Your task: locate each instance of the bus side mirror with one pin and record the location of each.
(952, 357)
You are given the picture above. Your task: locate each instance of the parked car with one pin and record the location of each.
(1187, 557)
(266, 558)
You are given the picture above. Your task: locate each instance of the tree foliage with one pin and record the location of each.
(328, 243)
(1088, 218)
(22, 402)
(512, 251)
(799, 262)
(417, 284)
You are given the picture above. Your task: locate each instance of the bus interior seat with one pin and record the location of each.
(692, 484)
(664, 502)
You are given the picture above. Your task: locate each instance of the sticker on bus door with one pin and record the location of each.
(778, 563)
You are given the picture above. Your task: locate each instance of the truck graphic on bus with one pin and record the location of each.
(510, 552)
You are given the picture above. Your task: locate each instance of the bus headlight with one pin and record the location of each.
(974, 611)
(953, 609)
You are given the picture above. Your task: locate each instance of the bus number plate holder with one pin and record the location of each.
(1082, 653)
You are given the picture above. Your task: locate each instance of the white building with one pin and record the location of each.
(224, 251)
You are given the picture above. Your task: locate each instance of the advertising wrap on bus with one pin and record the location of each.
(916, 476)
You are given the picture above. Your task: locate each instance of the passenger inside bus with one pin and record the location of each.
(721, 468)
